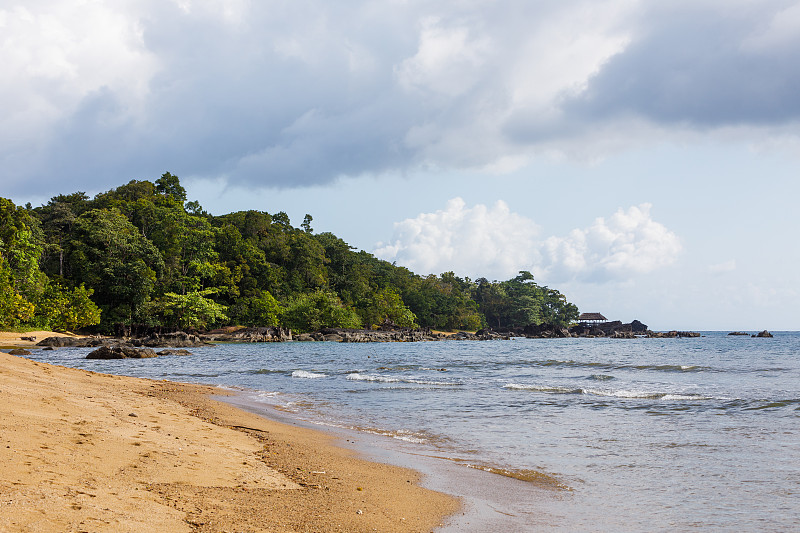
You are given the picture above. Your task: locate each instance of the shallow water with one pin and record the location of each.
(616, 435)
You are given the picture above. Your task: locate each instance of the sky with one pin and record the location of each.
(642, 157)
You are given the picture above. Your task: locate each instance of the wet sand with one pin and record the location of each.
(83, 451)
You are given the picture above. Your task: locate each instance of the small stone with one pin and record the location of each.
(359, 512)
(133, 414)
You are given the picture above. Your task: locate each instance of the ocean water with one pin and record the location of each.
(604, 435)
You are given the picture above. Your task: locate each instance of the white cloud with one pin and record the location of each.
(57, 54)
(628, 243)
(480, 240)
(448, 60)
(497, 243)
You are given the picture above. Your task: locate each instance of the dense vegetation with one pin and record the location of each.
(140, 253)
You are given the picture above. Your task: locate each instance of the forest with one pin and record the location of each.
(142, 254)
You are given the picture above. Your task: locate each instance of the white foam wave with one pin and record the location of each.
(621, 393)
(542, 388)
(356, 376)
(401, 434)
(307, 375)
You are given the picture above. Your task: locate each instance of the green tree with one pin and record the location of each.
(261, 309)
(191, 310)
(443, 302)
(386, 305)
(306, 225)
(63, 309)
(557, 310)
(14, 308)
(57, 220)
(169, 185)
(21, 246)
(316, 310)
(112, 257)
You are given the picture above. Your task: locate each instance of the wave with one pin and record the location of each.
(376, 378)
(621, 393)
(613, 366)
(355, 376)
(776, 404)
(264, 371)
(308, 375)
(601, 377)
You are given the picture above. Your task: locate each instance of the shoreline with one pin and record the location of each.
(492, 500)
(101, 452)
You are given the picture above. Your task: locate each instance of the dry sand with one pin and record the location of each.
(9, 339)
(82, 451)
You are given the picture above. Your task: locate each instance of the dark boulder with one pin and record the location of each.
(174, 351)
(121, 352)
(75, 342)
(62, 342)
(19, 351)
(764, 334)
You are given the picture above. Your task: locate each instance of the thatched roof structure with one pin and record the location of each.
(591, 317)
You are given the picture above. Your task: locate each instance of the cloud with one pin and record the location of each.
(477, 240)
(627, 244)
(497, 243)
(288, 94)
(691, 65)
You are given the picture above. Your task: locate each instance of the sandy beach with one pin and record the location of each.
(83, 451)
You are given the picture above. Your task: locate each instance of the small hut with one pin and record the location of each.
(591, 319)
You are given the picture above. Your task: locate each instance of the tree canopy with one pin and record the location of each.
(142, 254)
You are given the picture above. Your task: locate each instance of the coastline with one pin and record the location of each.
(98, 452)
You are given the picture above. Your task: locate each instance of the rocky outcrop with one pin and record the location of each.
(121, 352)
(614, 329)
(178, 339)
(764, 334)
(19, 351)
(672, 334)
(173, 351)
(739, 333)
(385, 334)
(263, 334)
(76, 342)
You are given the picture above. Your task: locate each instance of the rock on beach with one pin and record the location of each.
(121, 352)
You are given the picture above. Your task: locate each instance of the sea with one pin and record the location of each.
(577, 434)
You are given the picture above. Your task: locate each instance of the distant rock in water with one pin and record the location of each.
(674, 334)
(122, 352)
(763, 334)
(19, 351)
(176, 351)
(741, 333)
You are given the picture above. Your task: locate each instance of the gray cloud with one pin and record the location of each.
(704, 64)
(284, 94)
